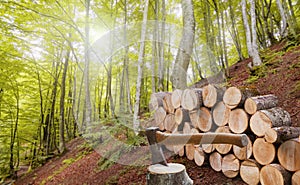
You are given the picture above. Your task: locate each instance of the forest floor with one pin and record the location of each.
(279, 75)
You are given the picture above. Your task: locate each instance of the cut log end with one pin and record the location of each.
(274, 174)
(230, 166)
(296, 178)
(288, 154)
(249, 172)
(263, 152)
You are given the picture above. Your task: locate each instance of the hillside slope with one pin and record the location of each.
(279, 75)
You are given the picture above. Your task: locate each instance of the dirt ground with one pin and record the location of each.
(281, 80)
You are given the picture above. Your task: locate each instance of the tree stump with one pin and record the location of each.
(173, 174)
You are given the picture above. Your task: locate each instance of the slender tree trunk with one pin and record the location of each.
(247, 27)
(185, 50)
(162, 49)
(255, 54)
(88, 107)
(62, 144)
(136, 121)
(283, 28)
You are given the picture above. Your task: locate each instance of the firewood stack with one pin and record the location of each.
(273, 153)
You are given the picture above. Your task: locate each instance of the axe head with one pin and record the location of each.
(157, 155)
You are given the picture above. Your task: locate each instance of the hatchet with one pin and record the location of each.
(157, 138)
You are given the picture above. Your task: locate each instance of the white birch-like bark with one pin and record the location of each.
(136, 121)
(283, 29)
(185, 50)
(247, 27)
(256, 61)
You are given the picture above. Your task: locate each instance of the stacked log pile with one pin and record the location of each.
(273, 153)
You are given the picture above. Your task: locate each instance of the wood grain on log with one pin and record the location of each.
(288, 154)
(208, 148)
(223, 148)
(169, 123)
(235, 97)
(211, 95)
(156, 100)
(181, 116)
(249, 172)
(159, 115)
(265, 119)
(167, 103)
(215, 161)
(205, 119)
(221, 114)
(263, 152)
(191, 99)
(257, 103)
(238, 121)
(199, 156)
(176, 98)
(230, 166)
(194, 117)
(296, 178)
(281, 134)
(172, 174)
(274, 174)
(243, 153)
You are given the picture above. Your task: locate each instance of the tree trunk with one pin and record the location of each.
(256, 61)
(265, 119)
(288, 154)
(136, 121)
(263, 152)
(230, 166)
(172, 174)
(283, 29)
(185, 50)
(247, 27)
(238, 121)
(281, 134)
(274, 174)
(257, 103)
(221, 114)
(249, 172)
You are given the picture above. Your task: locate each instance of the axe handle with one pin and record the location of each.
(240, 140)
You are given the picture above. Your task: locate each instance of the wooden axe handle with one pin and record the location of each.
(201, 138)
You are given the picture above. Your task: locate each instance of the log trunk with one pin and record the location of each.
(238, 121)
(234, 97)
(296, 178)
(156, 100)
(190, 148)
(288, 154)
(223, 148)
(182, 116)
(243, 153)
(265, 119)
(215, 161)
(167, 103)
(257, 103)
(230, 166)
(274, 174)
(281, 134)
(159, 116)
(176, 98)
(249, 172)
(221, 114)
(169, 123)
(172, 174)
(263, 152)
(199, 156)
(211, 95)
(191, 99)
(205, 120)
(208, 148)
(194, 117)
